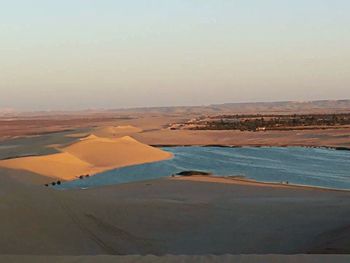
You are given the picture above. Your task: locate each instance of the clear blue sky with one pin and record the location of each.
(74, 54)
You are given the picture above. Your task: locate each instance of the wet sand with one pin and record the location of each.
(249, 182)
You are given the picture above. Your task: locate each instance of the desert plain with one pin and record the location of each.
(199, 217)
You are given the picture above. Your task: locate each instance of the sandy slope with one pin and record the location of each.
(169, 217)
(114, 152)
(182, 258)
(89, 155)
(61, 165)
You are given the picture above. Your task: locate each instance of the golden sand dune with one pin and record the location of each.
(116, 131)
(90, 155)
(114, 152)
(60, 165)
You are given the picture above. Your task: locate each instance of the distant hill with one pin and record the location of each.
(287, 107)
(7, 111)
(320, 106)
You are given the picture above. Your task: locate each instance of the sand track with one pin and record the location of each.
(85, 229)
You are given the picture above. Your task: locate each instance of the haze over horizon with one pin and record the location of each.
(70, 55)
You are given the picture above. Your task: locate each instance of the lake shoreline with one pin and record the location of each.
(211, 178)
(338, 148)
(239, 180)
(214, 162)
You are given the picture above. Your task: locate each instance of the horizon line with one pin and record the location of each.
(14, 110)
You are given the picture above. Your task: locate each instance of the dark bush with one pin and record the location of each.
(189, 173)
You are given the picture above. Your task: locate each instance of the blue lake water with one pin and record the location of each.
(298, 165)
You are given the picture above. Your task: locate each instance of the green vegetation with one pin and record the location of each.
(272, 122)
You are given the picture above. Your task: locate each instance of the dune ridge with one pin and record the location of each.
(89, 155)
(116, 131)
